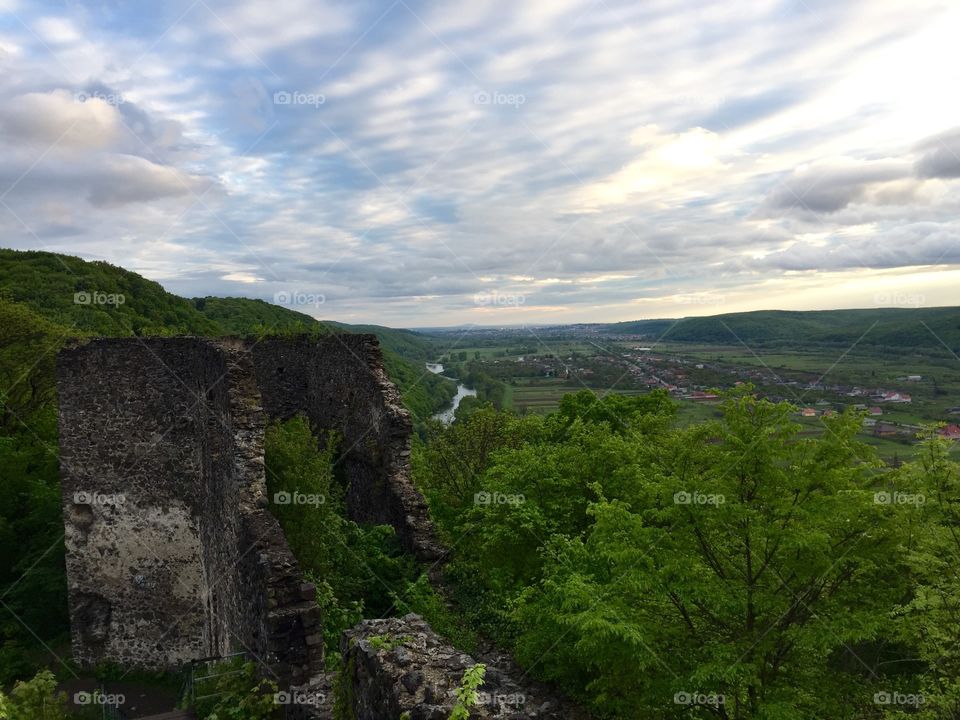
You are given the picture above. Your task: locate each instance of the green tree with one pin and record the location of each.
(738, 578)
(35, 699)
(933, 613)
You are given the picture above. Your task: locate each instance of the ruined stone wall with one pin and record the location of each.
(339, 383)
(141, 444)
(399, 667)
(272, 613)
(190, 564)
(171, 554)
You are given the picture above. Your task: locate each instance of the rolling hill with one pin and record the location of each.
(906, 328)
(76, 297)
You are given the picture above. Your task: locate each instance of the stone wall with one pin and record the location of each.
(185, 562)
(273, 613)
(398, 667)
(173, 556)
(141, 445)
(339, 383)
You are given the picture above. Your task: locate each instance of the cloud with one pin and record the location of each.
(60, 118)
(57, 30)
(593, 157)
(829, 186)
(941, 156)
(666, 165)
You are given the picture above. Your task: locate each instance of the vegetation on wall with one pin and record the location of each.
(359, 571)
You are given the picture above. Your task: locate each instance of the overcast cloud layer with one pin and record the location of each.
(414, 163)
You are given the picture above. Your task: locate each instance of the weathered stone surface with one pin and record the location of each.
(339, 383)
(171, 553)
(399, 665)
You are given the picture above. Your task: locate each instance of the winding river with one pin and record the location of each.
(446, 416)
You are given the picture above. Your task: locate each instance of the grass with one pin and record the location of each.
(860, 367)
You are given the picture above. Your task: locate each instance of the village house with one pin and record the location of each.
(885, 430)
(895, 397)
(950, 432)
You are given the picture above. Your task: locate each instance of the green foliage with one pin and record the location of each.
(244, 316)
(420, 597)
(49, 283)
(35, 699)
(359, 571)
(467, 695)
(735, 560)
(343, 696)
(235, 692)
(932, 616)
(388, 642)
(408, 344)
(31, 525)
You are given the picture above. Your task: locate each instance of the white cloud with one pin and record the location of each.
(670, 167)
(57, 30)
(60, 117)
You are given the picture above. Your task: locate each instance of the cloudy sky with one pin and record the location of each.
(498, 162)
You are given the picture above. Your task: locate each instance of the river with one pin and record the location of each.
(446, 416)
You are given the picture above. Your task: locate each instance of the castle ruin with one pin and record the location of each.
(171, 553)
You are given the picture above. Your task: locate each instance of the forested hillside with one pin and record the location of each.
(937, 328)
(96, 298)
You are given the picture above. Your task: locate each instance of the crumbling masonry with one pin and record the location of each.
(173, 556)
(171, 553)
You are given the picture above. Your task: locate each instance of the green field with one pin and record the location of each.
(545, 397)
(726, 363)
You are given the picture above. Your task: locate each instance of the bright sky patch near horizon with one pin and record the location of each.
(426, 163)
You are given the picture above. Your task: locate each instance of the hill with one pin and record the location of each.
(77, 297)
(935, 328)
(408, 344)
(95, 297)
(242, 316)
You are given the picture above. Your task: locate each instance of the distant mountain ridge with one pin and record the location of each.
(889, 327)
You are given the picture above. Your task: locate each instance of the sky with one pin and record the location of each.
(495, 162)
